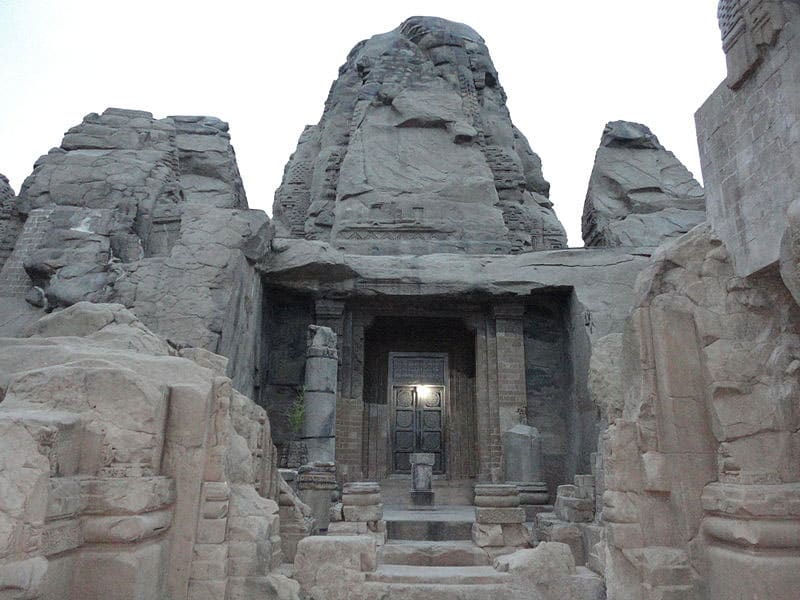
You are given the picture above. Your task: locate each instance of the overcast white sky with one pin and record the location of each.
(266, 67)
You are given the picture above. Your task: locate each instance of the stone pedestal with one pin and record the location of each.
(422, 480)
(533, 498)
(499, 520)
(362, 512)
(319, 395)
(316, 484)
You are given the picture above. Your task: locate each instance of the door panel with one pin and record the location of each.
(418, 424)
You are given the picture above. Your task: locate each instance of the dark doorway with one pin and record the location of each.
(418, 392)
(410, 365)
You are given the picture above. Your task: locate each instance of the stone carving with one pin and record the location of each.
(132, 466)
(748, 28)
(639, 193)
(416, 153)
(749, 146)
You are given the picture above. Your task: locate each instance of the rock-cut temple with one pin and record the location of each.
(404, 384)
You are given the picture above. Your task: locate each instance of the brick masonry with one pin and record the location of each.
(14, 281)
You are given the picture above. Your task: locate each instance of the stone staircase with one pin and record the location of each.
(429, 554)
(452, 570)
(432, 554)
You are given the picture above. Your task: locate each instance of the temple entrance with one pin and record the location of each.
(418, 392)
(419, 396)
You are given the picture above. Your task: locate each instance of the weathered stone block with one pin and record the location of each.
(487, 535)
(488, 516)
(363, 513)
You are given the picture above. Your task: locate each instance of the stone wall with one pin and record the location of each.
(748, 132)
(702, 459)
(136, 471)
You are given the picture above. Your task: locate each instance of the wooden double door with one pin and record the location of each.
(418, 408)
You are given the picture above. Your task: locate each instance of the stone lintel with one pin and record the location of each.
(508, 310)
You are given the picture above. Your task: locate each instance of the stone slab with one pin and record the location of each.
(499, 515)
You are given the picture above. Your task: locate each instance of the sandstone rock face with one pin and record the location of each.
(706, 443)
(129, 471)
(150, 213)
(416, 153)
(639, 193)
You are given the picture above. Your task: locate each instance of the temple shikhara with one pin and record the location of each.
(404, 384)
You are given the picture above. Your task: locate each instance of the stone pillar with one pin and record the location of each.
(511, 385)
(422, 479)
(499, 521)
(330, 314)
(316, 484)
(319, 395)
(362, 512)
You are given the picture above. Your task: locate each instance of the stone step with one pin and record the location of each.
(437, 575)
(432, 554)
(443, 523)
(432, 531)
(410, 591)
